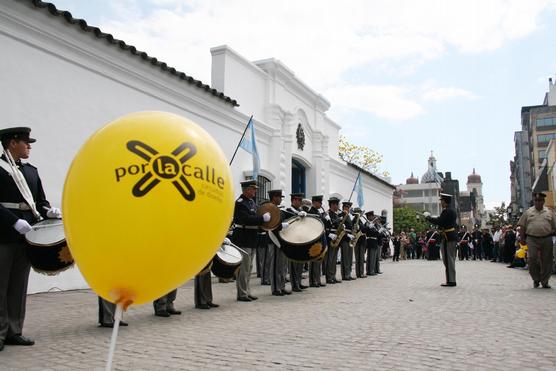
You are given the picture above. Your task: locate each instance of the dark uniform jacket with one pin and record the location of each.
(10, 193)
(464, 238)
(348, 224)
(246, 221)
(371, 234)
(446, 221)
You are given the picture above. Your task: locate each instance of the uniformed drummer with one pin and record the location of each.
(296, 269)
(203, 289)
(17, 213)
(315, 266)
(278, 261)
(246, 226)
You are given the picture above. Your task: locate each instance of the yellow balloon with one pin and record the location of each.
(147, 201)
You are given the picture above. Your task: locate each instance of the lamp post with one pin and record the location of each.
(509, 212)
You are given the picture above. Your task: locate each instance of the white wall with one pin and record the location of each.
(65, 84)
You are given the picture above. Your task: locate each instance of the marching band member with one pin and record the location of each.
(278, 261)
(246, 223)
(360, 245)
(22, 203)
(345, 248)
(332, 253)
(315, 266)
(296, 269)
(203, 290)
(371, 237)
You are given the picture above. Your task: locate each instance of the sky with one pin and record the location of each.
(404, 77)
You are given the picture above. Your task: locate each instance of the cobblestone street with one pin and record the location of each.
(401, 319)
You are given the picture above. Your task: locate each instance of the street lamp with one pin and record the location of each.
(509, 212)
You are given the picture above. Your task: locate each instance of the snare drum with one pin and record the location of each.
(302, 240)
(47, 249)
(226, 262)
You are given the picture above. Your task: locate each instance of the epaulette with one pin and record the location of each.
(239, 199)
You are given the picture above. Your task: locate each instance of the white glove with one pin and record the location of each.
(350, 236)
(332, 236)
(22, 226)
(426, 214)
(266, 217)
(302, 214)
(54, 213)
(227, 241)
(285, 225)
(327, 217)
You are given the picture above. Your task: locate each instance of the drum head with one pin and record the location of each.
(48, 232)
(229, 254)
(302, 230)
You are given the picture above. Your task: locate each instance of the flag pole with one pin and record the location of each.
(354, 184)
(240, 139)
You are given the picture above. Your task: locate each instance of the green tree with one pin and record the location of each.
(405, 218)
(362, 156)
(498, 217)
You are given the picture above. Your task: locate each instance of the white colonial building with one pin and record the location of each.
(66, 79)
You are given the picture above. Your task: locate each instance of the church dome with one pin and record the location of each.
(474, 178)
(412, 180)
(431, 175)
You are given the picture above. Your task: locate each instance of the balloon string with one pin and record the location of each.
(117, 318)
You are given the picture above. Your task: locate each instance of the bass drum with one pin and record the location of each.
(226, 262)
(47, 249)
(302, 241)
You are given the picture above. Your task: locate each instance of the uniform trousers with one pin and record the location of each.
(314, 273)
(203, 289)
(166, 302)
(106, 311)
(346, 259)
(296, 272)
(331, 259)
(278, 267)
(265, 253)
(540, 256)
(14, 276)
(372, 255)
(449, 259)
(244, 275)
(360, 248)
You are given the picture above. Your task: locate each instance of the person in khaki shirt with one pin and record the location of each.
(538, 224)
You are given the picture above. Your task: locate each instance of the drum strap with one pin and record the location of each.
(274, 239)
(20, 182)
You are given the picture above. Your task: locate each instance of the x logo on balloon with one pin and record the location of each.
(163, 167)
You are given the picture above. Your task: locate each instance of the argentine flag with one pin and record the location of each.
(359, 190)
(249, 143)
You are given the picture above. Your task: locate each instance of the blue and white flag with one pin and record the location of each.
(359, 190)
(249, 143)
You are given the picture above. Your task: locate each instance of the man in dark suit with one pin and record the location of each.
(246, 226)
(21, 204)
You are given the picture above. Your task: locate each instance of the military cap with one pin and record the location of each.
(357, 210)
(317, 198)
(539, 194)
(370, 212)
(297, 195)
(446, 197)
(249, 184)
(333, 200)
(18, 133)
(275, 192)
(347, 203)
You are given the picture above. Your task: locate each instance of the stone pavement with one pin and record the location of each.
(399, 320)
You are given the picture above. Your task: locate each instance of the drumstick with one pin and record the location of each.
(237, 247)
